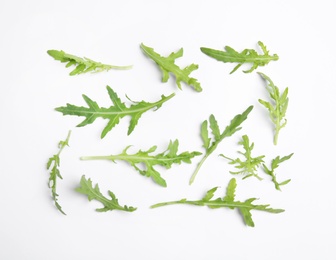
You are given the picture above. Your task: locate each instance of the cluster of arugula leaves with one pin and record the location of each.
(144, 161)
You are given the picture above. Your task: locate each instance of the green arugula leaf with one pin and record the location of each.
(249, 166)
(228, 201)
(246, 56)
(83, 65)
(113, 113)
(209, 195)
(93, 193)
(232, 128)
(167, 65)
(165, 159)
(53, 165)
(214, 127)
(275, 164)
(278, 108)
(230, 192)
(205, 134)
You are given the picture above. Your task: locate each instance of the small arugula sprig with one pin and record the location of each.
(93, 193)
(278, 108)
(167, 65)
(246, 56)
(165, 159)
(53, 165)
(83, 65)
(228, 201)
(113, 113)
(209, 146)
(249, 166)
(275, 164)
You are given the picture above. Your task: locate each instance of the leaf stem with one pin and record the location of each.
(99, 157)
(161, 204)
(276, 136)
(198, 168)
(127, 67)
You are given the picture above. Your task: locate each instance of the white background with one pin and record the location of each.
(32, 84)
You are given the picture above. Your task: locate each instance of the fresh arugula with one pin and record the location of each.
(53, 165)
(275, 164)
(249, 166)
(94, 193)
(83, 65)
(167, 65)
(165, 159)
(228, 201)
(113, 113)
(246, 56)
(210, 144)
(277, 108)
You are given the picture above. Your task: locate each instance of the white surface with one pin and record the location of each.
(32, 84)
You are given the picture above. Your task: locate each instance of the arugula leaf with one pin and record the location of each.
(113, 113)
(167, 65)
(246, 56)
(205, 134)
(249, 166)
(165, 159)
(93, 193)
(278, 108)
(275, 164)
(209, 146)
(83, 65)
(53, 165)
(228, 201)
